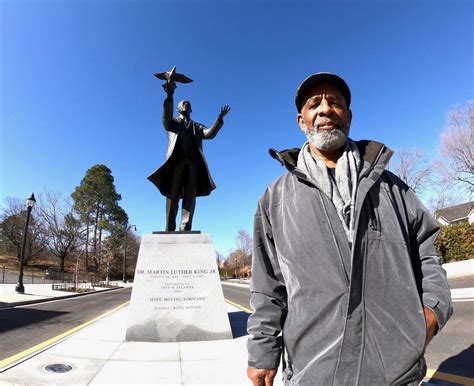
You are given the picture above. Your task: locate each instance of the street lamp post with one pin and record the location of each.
(125, 252)
(30, 202)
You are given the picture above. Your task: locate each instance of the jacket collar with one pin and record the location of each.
(375, 155)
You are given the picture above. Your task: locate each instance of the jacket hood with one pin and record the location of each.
(376, 154)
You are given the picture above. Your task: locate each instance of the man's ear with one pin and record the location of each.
(301, 122)
(350, 116)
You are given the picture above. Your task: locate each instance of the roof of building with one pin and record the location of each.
(456, 212)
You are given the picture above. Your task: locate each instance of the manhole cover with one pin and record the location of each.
(58, 368)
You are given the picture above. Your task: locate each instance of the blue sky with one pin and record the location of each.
(77, 88)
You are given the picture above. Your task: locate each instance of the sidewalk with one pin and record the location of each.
(35, 293)
(98, 354)
(459, 268)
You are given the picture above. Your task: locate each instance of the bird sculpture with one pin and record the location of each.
(172, 76)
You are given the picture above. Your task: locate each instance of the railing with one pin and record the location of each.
(64, 286)
(105, 284)
(37, 276)
(30, 276)
(72, 287)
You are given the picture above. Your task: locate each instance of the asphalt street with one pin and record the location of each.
(238, 295)
(452, 350)
(26, 326)
(462, 282)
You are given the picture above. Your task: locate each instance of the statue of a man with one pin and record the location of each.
(185, 174)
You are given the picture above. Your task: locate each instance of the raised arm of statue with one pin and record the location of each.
(211, 132)
(168, 105)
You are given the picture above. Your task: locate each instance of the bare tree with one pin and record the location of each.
(443, 195)
(114, 246)
(220, 262)
(413, 168)
(454, 169)
(457, 147)
(62, 228)
(106, 263)
(244, 245)
(80, 266)
(133, 248)
(240, 258)
(12, 225)
(219, 258)
(236, 260)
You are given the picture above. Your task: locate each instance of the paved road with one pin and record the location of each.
(462, 282)
(26, 326)
(451, 352)
(238, 295)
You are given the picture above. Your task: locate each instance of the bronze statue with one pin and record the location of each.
(185, 174)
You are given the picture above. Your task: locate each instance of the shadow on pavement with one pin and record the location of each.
(460, 364)
(13, 318)
(238, 323)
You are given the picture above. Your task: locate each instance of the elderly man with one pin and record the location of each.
(346, 282)
(185, 174)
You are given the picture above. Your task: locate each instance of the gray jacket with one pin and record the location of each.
(347, 317)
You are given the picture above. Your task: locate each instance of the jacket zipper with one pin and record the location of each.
(358, 211)
(341, 263)
(297, 173)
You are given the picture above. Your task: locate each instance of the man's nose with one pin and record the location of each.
(324, 107)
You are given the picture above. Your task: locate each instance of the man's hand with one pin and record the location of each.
(224, 110)
(431, 324)
(169, 88)
(261, 377)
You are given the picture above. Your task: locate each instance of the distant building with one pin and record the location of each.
(457, 214)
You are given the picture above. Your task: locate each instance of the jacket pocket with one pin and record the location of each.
(373, 217)
(416, 373)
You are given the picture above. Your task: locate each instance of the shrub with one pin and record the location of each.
(455, 243)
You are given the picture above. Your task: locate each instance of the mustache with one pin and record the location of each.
(324, 121)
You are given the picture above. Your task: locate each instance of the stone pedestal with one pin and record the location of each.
(177, 294)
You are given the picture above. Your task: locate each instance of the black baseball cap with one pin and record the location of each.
(318, 78)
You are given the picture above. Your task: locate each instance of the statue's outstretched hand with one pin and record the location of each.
(169, 88)
(224, 110)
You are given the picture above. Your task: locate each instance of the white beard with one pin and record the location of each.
(327, 140)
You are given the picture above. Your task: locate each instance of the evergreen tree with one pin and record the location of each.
(96, 201)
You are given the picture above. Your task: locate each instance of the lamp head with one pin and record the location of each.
(30, 202)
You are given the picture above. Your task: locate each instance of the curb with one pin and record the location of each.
(27, 302)
(240, 285)
(459, 269)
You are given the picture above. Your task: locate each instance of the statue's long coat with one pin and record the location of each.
(163, 177)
